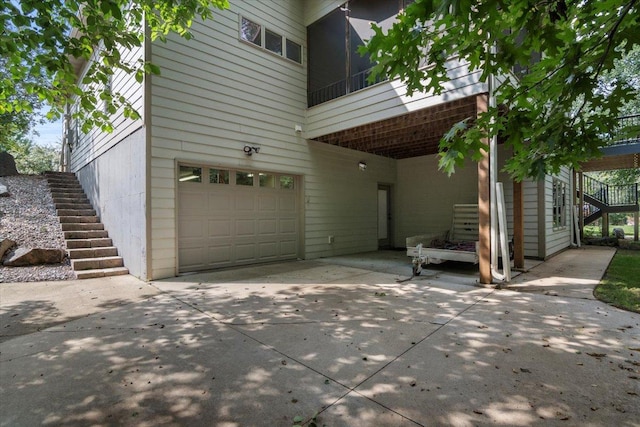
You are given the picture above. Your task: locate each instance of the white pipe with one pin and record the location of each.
(493, 166)
(493, 208)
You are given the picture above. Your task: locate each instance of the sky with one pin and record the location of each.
(50, 133)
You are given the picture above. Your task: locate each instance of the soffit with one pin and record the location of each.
(410, 135)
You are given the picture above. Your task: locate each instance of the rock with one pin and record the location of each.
(7, 164)
(5, 245)
(4, 192)
(618, 233)
(34, 256)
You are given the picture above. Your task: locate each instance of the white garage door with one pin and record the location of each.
(233, 217)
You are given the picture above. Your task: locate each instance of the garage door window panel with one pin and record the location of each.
(218, 176)
(190, 174)
(244, 178)
(267, 180)
(287, 182)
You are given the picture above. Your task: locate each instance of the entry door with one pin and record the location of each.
(384, 216)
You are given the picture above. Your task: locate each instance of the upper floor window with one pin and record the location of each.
(258, 35)
(294, 51)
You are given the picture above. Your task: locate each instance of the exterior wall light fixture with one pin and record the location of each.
(362, 166)
(249, 150)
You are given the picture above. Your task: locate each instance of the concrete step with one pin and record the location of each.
(78, 219)
(71, 201)
(96, 263)
(76, 212)
(69, 175)
(82, 226)
(58, 173)
(83, 206)
(107, 251)
(84, 234)
(66, 189)
(89, 243)
(62, 179)
(78, 203)
(64, 184)
(68, 194)
(102, 272)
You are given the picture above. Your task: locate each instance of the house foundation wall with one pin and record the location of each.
(114, 182)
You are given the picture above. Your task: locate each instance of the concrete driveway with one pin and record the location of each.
(268, 345)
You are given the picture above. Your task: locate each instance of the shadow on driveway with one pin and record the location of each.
(263, 345)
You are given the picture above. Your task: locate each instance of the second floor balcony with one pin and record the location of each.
(336, 68)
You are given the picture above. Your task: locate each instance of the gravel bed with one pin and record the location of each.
(28, 216)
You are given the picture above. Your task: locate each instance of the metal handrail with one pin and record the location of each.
(343, 87)
(611, 195)
(626, 131)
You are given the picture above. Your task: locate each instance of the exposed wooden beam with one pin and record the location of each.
(626, 161)
(518, 226)
(484, 204)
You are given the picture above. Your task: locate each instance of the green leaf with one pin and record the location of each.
(554, 107)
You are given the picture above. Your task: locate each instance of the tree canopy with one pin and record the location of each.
(556, 112)
(40, 41)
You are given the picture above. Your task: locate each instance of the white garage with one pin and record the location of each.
(232, 217)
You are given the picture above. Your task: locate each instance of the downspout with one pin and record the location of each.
(147, 125)
(64, 153)
(493, 179)
(347, 43)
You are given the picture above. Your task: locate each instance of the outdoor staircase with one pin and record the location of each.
(600, 198)
(89, 247)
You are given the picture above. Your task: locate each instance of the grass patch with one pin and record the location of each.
(621, 286)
